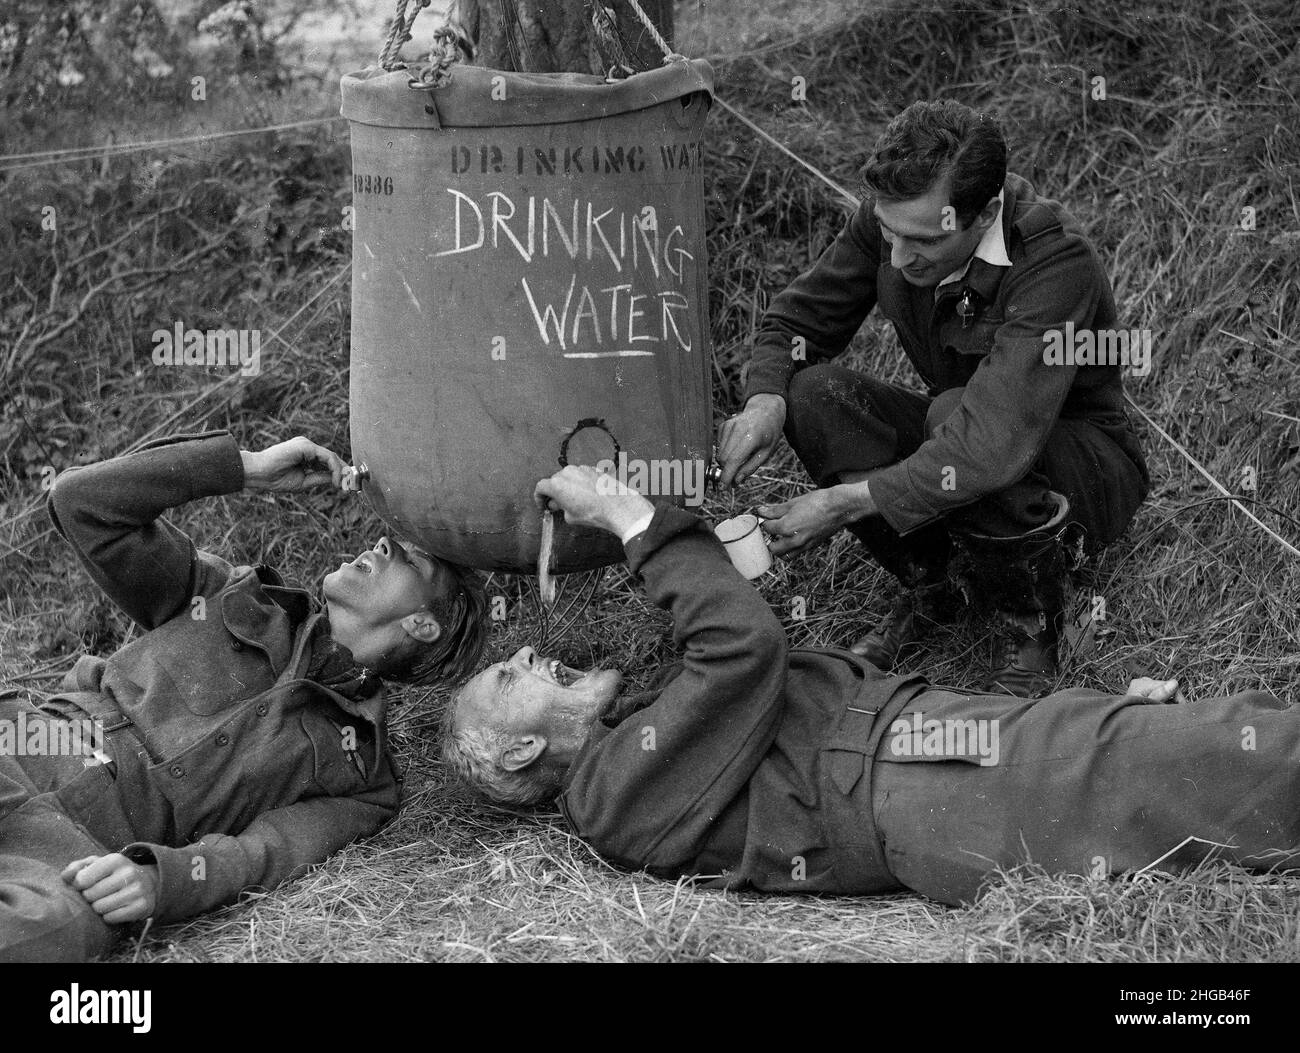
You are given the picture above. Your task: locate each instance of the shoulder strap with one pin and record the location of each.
(1037, 221)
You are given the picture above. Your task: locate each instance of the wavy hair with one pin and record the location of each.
(931, 140)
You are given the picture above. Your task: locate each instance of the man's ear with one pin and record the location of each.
(984, 219)
(522, 752)
(423, 626)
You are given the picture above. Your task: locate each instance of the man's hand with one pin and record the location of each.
(747, 440)
(117, 889)
(298, 464)
(808, 519)
(1156, 690)
(591, 498)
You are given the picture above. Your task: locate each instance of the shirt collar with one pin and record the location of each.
(992, 248)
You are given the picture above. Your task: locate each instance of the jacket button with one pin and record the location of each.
(178, 771)
(236, 645)
(223, 740)
(261, 709)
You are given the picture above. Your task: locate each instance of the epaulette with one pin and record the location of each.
(1037, 221)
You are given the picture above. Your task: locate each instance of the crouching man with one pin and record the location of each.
(753, 765)
(240, 738)
(1015, 458)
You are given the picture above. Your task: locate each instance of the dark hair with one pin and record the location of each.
(929, 140)
(461, 614)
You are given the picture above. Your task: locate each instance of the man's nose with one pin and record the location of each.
(525, 657)
(899, 256)
(384, 547)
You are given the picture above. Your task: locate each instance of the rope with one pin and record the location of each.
(669, 54)
(212, 389)
(399, 33)
(850, 198)
(1213, 481)
(90, 153)
(672, 56)
(520, 57)
(449, 44)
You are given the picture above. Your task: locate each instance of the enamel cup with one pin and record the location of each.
(745, 544)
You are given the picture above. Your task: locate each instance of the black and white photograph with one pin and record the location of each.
(651, 481)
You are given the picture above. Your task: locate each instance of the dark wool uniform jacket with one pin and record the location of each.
(237, 771)
(748, 763)
(1012, 398)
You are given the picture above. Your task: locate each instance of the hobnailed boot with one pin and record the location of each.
(913, 614)
(1027, 581)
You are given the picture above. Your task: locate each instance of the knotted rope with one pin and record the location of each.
(450, 44)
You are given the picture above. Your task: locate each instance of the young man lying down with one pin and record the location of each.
(240, 738)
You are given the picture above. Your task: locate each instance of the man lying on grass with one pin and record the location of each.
(751, 764)
(237, 741)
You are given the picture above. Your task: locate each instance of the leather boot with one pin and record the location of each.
(1026, 662)
(1026, 581)
(914, 613)
(920, 563)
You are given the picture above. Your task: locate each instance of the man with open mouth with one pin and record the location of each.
(751, 764)
(243, 734)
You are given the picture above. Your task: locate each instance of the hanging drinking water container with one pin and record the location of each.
(528, 289)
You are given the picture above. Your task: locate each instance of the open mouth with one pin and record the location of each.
(562, 674)
(361, 563)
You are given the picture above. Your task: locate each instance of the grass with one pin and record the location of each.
(1196, 126)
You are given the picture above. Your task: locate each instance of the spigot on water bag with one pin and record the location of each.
(529, 288)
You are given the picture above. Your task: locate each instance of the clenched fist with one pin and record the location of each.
(117, 889)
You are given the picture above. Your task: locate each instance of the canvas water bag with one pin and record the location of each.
(528, 289)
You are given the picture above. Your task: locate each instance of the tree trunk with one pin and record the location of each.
(557, 36)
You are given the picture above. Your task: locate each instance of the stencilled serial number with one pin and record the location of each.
(372, 184)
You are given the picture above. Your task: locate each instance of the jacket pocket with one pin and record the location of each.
(975, 339)
(91, 799)
(341, 751)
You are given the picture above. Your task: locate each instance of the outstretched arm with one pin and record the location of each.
(811, 321)
(111, 513)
